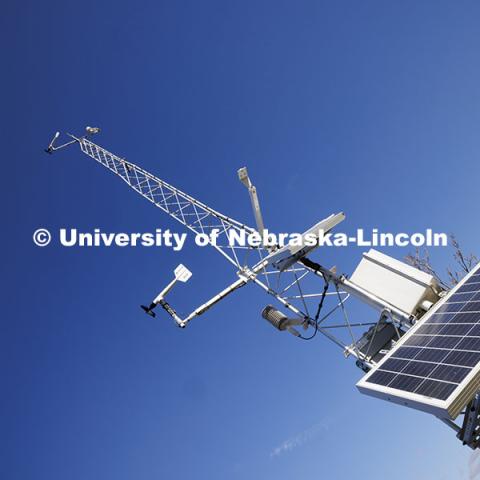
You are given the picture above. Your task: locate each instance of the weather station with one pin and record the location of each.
(422, 347)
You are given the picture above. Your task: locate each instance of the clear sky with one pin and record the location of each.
(368, 107)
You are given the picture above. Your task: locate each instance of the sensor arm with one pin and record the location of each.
(245, 276)
(252, 191)
(182, 323)
(162, 294)
(53, 148)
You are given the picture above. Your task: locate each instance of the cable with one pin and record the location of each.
(319, 309)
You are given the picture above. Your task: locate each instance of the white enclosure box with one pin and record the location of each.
(395, 282)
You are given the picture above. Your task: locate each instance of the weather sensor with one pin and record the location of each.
(182, 274)
(421, 348)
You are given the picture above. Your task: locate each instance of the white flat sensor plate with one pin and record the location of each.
(182, 273)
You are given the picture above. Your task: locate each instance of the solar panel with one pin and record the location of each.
(435, 366)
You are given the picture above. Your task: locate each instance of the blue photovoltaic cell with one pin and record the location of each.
(435, 359)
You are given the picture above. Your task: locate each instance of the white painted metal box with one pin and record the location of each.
(395, 282)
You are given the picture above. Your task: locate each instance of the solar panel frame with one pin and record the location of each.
(435, 395)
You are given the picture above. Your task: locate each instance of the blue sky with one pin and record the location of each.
(367, 107)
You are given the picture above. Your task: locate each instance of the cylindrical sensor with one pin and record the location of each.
(275, 317)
